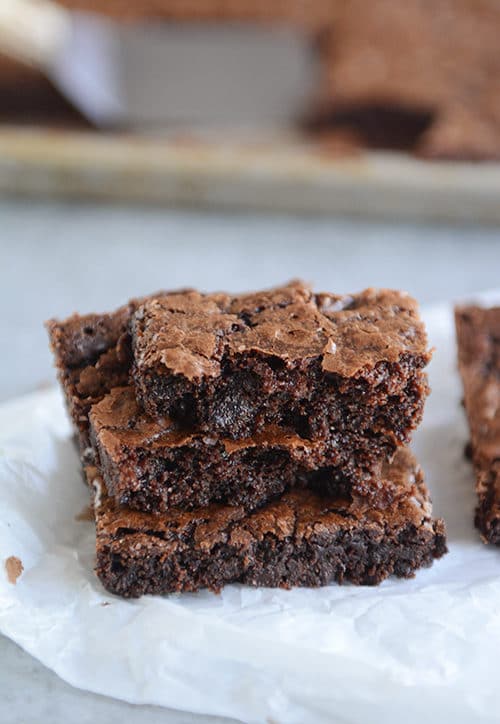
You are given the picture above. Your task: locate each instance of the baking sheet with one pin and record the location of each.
(403, 651)
(279, 172)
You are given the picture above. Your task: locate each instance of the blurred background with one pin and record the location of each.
(383, 109)
(233, 145)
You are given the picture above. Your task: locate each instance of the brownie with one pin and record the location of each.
(420, 74)
(478, 338)
(153, 466)
(92, 356)
(322, 365)
(302, 539)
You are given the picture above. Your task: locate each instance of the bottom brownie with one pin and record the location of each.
(302, 539)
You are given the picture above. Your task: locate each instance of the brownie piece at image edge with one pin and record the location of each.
(312, 363)
(152, 466)
(478, 339)
(302, 539)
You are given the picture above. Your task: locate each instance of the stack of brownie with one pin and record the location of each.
(258, 438)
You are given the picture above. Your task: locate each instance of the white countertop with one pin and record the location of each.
(56, 259)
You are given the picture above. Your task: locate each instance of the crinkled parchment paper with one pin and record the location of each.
(424, 649)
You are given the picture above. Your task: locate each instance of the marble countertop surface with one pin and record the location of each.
(58, 258)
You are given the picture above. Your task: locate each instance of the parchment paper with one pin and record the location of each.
(425, 649)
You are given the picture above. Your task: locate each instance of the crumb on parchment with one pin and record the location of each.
(14, 568)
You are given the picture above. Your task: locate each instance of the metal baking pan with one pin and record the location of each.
(279, 173)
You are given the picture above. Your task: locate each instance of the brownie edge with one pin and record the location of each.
(478, 346)
(92, 355)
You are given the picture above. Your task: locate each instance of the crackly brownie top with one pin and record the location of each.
(298, 515)
(79, 340)
(189, 334)
(478, 336)
(119, 422)
(93, 350)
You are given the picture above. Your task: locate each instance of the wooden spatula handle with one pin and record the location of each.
(32, 30)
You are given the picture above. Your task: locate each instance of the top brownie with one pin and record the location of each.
(308, 362)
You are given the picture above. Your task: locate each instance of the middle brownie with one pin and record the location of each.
(151, 465)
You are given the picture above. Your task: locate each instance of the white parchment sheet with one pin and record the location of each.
(425, 649)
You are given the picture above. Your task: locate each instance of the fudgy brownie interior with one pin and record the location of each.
(151, 465)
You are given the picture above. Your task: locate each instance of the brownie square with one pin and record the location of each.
(92, 356)
(321, 365)
(478, 338)
(150, 465)
(302, 539)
